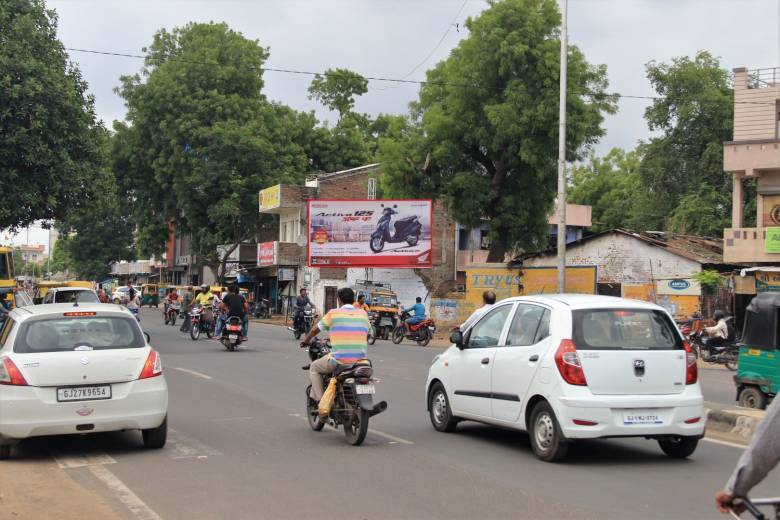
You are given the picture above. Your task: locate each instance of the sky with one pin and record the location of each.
(388, 38)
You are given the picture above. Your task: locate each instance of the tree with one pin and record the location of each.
(484, 132)
(60, 258)
(337, 88)
(611, 186)
(682, 170)
(48, 131)
(202, 140)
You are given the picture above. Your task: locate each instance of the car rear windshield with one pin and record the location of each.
(75, 296)
(624, 329)
(78, 333)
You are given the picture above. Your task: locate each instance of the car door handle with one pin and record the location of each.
(485, 361)
(533, 358)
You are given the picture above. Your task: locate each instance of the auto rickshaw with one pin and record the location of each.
(42, 288)
(150, 295)
(758, 371)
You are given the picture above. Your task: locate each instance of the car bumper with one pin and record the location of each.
(613, 415)
(27, 411)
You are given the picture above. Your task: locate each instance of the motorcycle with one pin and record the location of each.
(724, 354)
(373, 317)
(198, 324)
(303, 324)
(262, 309)
(231, 333)
(406, 229)
(353, 406)
(421, 332)
(172, 312)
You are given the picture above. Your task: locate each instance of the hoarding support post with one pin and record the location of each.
(562, 155)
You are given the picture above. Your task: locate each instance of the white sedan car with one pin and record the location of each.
(78, 368)
(566, 367)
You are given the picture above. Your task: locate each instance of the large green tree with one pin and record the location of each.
(337, 89)
(484, 132)
(682, 169)
(48, 131)
(201, 140)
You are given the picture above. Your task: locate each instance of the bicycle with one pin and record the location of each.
(752, 506)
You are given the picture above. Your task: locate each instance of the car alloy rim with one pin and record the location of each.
(544, 431)
(439, 407)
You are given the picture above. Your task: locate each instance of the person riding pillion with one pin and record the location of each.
(418, 312)
(348, 329)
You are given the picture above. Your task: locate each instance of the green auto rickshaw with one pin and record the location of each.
(149, 295)
(758, 372)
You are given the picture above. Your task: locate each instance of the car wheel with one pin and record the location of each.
(155, 438)
(752, 397)
(679, 447)
(547, 439)
(440, 411)
(5, 452)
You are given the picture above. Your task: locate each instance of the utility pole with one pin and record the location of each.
(562, 156)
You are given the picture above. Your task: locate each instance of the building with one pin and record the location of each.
(755, 154)
(33, 254)
(657, 267)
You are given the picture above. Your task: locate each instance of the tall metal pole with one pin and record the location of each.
(562, 156)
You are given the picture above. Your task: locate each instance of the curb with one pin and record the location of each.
(741, 424)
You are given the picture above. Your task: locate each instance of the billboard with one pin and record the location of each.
(370, 233)
(266, 253)
(270, 198)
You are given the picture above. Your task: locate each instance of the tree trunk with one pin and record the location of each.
(497, 252)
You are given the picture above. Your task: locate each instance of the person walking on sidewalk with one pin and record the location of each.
(756, 462)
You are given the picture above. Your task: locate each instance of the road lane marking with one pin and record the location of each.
(225, 419)
(193, 372)
(79, 460)
(391, 437)
(182, 446)
(725, 443)
(124, 494)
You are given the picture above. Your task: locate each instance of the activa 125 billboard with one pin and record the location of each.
(370, 233)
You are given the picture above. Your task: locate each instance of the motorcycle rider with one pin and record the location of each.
(756, 462)
(233, 305)
(347, 327)
(419, 313)
(204, 299)
(170, 298)
(186, 303)
(719, 333)
(300, 302)
(361, 303)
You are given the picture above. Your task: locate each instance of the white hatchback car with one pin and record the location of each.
(565, 367)
(74, 369)
(70, 295)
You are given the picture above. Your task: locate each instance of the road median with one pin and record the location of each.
(733, 423)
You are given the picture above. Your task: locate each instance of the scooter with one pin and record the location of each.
(406, 229)
(262, 309)
(231, 333)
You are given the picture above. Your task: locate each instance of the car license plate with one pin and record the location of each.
(632, 417)
(84, 393)
(365, 389)
(232, 337)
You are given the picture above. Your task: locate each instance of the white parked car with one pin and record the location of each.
(74, 369)
(567, 367)
(70, 295)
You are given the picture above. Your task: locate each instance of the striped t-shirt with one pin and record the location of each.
(348, 330)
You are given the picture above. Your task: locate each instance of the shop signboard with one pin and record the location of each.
(370, 233)
(270, 198)
(679, 286)
(772, 240)
(286, 274)
(266, 254)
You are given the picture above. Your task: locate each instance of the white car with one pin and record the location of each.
(70, 295)
(121, 296)
(74, 369)
(567, 367)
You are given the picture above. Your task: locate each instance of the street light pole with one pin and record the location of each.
(562, 155)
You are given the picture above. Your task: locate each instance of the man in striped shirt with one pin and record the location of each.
(347, 327)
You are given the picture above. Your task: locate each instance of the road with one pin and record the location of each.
(240, 447)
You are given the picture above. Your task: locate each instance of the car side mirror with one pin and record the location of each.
(456, 337)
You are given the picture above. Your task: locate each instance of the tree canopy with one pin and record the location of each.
(484, 131)
(337, 89)
(48, 132)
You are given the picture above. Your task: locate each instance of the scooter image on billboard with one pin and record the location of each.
(406, 229)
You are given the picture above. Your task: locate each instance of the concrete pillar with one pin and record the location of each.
(737, 203)
(759, 211)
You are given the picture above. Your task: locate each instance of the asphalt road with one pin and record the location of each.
(240, 447)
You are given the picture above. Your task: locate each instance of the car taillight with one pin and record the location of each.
(569, 365)
(152, 367)
(10, 373)
(691, 369)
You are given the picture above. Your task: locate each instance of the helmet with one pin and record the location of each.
(718, 315)
(204, 287)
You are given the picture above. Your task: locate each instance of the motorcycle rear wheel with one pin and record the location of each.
(425, 337)
(398, 335)
(356, 429)
(313, 413)
(195, 331)
(412, 240)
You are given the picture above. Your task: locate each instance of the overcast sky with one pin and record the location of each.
(388, 38)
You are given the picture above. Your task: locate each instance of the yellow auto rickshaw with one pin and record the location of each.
(150, 294)
(42, 288)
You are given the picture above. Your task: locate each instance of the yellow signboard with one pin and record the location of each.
(271, 198)
(544, 280)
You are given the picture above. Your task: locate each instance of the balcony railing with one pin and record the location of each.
(763, 78)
